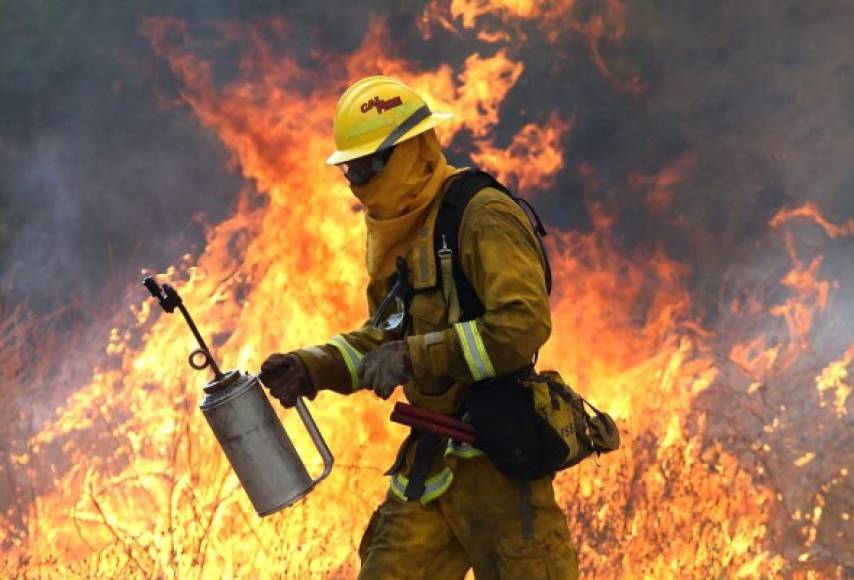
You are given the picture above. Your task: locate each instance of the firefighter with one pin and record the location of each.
(448, 508)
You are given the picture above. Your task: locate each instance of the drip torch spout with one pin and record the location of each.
(169, 299)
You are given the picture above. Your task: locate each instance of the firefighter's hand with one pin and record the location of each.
(287, 378)
(385, 367)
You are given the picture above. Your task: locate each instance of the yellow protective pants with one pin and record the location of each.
(478, 524)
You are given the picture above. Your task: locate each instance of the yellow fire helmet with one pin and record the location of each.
(376, 113)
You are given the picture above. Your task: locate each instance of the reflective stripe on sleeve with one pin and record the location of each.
(473, 350)
(351, 356)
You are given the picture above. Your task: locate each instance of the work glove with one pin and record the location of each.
(287, 378)
(385, 367)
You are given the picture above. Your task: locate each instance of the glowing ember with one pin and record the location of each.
(831, 381)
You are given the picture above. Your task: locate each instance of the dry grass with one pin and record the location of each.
(39, 367)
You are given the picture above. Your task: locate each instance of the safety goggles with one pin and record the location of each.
(361, 170)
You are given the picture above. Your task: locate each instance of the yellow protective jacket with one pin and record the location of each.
(500, 255)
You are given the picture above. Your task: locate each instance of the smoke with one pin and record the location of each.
(102, 171)
(96, 177)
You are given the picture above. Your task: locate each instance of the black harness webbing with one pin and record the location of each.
(462, 190)
(425, 443)
(446, 234)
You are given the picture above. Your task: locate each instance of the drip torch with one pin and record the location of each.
(246, 426)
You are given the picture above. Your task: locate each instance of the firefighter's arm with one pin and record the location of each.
(333, 365)
(500, 255)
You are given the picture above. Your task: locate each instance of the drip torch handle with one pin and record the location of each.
(169, 299)
(202, 346)
(317, 438)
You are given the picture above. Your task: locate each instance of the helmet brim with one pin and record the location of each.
(369, 148)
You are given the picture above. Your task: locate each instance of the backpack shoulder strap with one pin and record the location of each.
(462, 190)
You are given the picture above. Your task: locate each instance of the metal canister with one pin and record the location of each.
(256, 444)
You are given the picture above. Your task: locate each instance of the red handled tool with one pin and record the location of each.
(432, 422)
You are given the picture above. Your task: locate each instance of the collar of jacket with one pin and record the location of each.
(398, 199)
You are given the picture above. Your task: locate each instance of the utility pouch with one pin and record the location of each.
(532, 425)
(519, 441)
(565, 411)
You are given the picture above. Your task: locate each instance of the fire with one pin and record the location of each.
(604, 27)
(512, 165)
(144, 489)
(811, 211)
(660, 185)
(809, 295)
(830, 382)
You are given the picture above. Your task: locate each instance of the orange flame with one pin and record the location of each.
(832, 379)
(606, 25)
(532, 160)
(660, 195)
(811, 211)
